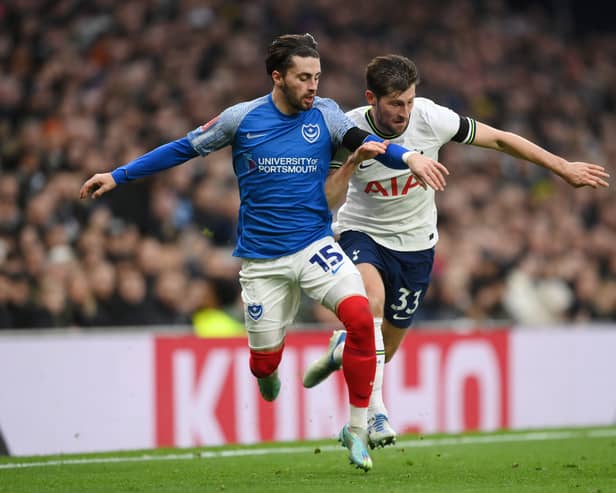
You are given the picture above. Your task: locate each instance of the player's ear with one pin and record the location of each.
(370, 97)
(276, 77)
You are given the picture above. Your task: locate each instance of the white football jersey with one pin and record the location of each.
(388, 204)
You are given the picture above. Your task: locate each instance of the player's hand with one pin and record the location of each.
(368, 150)
(579, 174)
(338, 180)
(427, 171)
(96, 186)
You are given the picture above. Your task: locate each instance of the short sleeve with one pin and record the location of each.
(338, 123)
(447, 125)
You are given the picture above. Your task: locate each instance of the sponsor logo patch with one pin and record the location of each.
(255, 311)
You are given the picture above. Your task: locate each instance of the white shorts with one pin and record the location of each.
(271, 288)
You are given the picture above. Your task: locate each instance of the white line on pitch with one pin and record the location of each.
(213, 454)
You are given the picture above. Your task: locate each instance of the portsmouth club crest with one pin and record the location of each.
(255, 311)
(310, 132)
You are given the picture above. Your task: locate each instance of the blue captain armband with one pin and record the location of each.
(394, 157)
(163, 157)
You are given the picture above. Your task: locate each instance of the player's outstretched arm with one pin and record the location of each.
(338, 180)
(577, 174)
(97, 185)
(159, 159)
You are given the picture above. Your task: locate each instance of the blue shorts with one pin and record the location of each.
(406, 275)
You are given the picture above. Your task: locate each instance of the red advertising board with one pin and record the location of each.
(121, 391)
(437, 382)
(450, 382)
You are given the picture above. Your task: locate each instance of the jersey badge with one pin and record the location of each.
(311, 132)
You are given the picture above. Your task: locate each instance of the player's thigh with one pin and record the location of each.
(371, 260)
(271, 300)
(407, 279)
(375, 289)
(327, 275)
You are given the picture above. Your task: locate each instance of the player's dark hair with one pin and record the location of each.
(390, 74)
(286, 46)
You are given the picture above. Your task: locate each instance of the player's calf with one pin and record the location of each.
(263, 365)
(358, 358)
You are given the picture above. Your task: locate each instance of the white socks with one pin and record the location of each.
(376, 398)
(359, 417)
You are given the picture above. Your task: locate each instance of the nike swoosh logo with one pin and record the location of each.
(337, 268)
(398, 317)
(364, 165)
(254, 136)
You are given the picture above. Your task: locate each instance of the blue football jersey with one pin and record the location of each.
(281, 163)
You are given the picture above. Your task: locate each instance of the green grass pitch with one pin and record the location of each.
(571, 460)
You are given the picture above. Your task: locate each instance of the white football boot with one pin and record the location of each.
(326, 364)
(380, 432)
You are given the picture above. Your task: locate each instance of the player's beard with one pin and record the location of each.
(389, 125)
(399, 128)
(396, 128)
(296, 102)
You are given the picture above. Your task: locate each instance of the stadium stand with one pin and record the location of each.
(90, 85)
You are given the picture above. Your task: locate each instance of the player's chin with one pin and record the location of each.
(399, 127)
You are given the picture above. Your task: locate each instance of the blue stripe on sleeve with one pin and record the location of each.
(392, 157)
(163, 157)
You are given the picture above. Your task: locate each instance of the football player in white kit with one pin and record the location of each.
(387, 225)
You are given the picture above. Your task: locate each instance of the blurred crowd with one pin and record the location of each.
(88, 86)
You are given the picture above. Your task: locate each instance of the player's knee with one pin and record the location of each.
(354, 312)
(264, 363)
(376, 305)
(376, 296)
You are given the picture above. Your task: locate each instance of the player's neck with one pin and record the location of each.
(282, 104)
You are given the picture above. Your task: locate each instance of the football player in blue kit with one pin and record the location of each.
(282, 144)
(388, 222)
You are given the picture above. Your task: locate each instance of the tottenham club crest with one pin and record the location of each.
(311, 132)
(255, 311)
